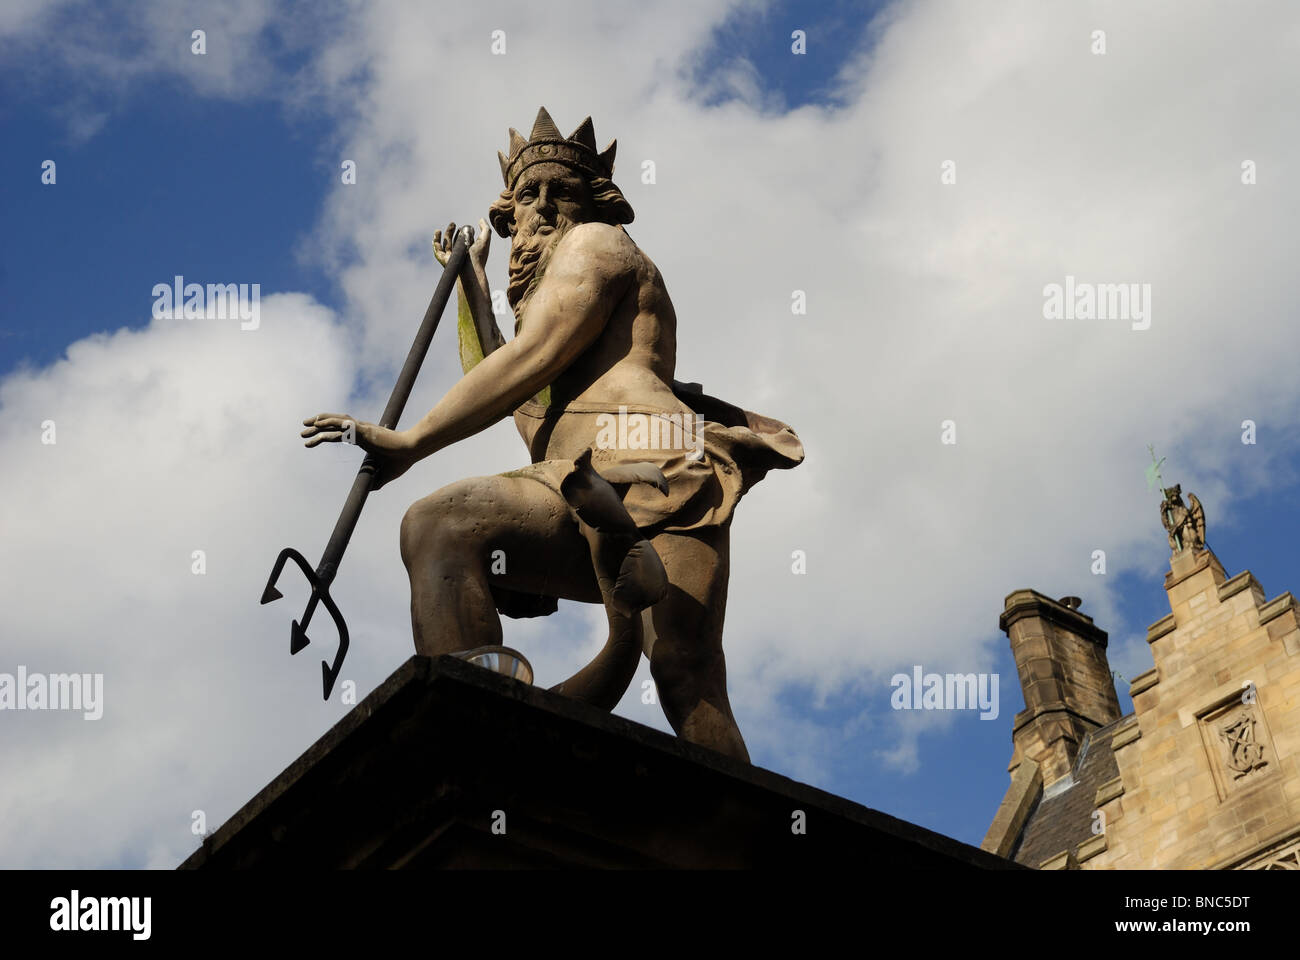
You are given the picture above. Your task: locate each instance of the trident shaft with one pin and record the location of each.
(321, 578)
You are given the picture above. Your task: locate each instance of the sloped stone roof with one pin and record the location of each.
(1062, 818)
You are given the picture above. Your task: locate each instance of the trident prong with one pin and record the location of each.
(320, 594)
(321, 578)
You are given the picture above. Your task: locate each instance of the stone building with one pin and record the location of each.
(1203, 774)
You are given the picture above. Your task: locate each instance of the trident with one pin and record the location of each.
(321, 578)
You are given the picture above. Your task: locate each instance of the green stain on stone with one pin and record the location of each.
(471, 351)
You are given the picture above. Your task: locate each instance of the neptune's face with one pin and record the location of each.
(549, 199)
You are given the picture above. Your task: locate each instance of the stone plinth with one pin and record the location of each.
(448, 765)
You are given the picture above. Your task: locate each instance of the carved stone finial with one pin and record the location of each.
(1185, 524)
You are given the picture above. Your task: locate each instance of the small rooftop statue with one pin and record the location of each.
(1185, 525)
(634, 477)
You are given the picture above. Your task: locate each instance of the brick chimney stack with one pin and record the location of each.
(1060, 655)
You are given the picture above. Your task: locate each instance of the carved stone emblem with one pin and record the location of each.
(1237, 744)
(1245, 753)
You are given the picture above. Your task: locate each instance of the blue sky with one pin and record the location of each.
(126, 203)
(233, 177)
(131, 195)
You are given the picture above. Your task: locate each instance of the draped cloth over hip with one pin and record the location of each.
(709, 463)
